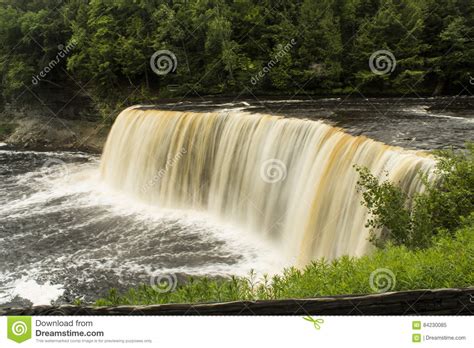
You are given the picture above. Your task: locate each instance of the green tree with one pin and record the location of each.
(321, 44)
(395, 27)
(413, 221)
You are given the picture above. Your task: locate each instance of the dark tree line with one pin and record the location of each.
(220, 45)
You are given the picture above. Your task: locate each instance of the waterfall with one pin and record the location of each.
(291, 180)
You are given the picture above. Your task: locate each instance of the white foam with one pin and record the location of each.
(38, 294)
(82, 184)
(423, 110)
(259, 254)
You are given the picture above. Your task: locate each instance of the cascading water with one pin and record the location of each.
(290, 179)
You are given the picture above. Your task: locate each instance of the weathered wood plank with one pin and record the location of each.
(415, 302)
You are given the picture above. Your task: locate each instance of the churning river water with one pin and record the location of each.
(65, 235)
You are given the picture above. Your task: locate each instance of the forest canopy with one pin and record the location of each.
(239, 47)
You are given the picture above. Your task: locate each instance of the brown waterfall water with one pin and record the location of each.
(290, 180)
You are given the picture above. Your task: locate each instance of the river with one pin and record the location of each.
(65, 235)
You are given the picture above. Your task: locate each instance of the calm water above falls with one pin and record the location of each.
(64, 234)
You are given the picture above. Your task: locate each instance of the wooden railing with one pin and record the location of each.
(415, 302)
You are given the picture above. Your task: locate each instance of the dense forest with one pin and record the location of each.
(102, 49)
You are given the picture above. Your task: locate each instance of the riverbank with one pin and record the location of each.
(411, 121)
(43, 133)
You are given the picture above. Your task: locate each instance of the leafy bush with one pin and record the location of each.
(413, 221)
(449, 262)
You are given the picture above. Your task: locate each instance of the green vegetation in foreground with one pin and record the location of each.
(448, 263)
(428, 242)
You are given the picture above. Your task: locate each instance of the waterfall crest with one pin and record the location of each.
(290, 179)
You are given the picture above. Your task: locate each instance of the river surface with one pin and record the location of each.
(65, 236)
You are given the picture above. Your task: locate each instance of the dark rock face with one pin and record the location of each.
(41, 130)
(53, 119)
(415, 302)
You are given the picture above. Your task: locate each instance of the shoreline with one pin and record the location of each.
(29, 127)
(39, 133)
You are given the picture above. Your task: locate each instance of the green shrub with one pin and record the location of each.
(449, 262)
(413, 221)
(452, 199)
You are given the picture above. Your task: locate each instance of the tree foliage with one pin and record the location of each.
(221, 44)
(413, 221)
